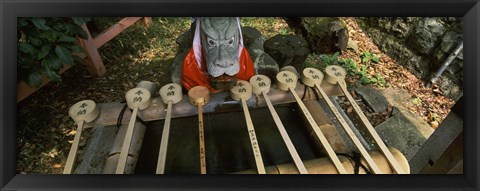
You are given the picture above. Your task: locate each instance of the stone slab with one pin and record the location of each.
(373, 98)
(404, 132)
(96, 152)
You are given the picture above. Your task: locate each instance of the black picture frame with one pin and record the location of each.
(10, 10)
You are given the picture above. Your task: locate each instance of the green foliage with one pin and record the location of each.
(45, 44)
(379, 80)
(363, 76)
(352, 69)
(270, 26)
(327, 60)
(350, 66)
(369, 57)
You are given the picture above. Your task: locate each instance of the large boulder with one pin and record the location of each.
(426, 34)
(419, 65)
(176, 69)
(264, 63)
(323, 34)
(450, 86)
(252, 38)
(184, 42)
(288, 50)
(398, 26)
(401, 26)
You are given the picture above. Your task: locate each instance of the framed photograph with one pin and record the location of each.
(79, 79)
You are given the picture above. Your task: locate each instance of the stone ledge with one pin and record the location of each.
(404, 130)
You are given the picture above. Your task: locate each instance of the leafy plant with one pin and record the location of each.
(363, 75)
(379, 80)
(45, 45)
(368, 56)
(330, 60)
(350, 66)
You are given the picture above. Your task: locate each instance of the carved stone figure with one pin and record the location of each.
(213, 54)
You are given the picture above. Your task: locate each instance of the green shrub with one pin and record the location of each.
(350, 66)
(368, 56)
(352, 70)
(327, 60)
(45, 45)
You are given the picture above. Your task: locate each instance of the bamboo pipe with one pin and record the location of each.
(133, 153)
(325, 165)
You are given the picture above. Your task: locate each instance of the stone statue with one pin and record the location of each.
(213, 54)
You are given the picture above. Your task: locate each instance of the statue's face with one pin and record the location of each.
(220, 40)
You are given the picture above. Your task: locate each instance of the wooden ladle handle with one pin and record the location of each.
(72, 155)
(122, 160)
(201, 138)
(253, 139)
(162, 154)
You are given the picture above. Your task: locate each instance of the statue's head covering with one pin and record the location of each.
(197, 45)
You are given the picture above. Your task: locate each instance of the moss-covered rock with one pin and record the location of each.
(288, 50)
(323, 34)
(426, 34)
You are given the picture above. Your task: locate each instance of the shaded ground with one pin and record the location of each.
(45, 131)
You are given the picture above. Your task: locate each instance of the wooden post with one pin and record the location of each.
(113, 31)
(93, 60)
(24, 90)
(146, 21)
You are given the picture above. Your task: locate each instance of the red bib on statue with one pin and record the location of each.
(193, 76)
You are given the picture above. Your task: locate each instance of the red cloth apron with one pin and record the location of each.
(193, 76)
